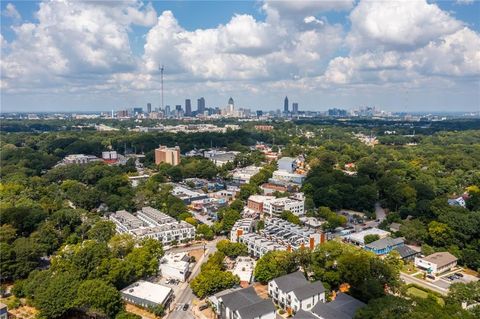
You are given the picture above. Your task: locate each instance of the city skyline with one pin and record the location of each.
(321, 54)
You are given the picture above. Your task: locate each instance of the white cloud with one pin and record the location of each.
(399, 25)
(11, 12)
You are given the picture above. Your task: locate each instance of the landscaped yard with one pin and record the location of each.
(409, 269)
(419, 276)
(416, 292)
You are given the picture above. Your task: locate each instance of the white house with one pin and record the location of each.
(176, 266)
(244, 304)
(293, 292)
(436, 263)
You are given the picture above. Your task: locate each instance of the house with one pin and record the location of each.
(358, 238)
(3, 311)
(243, 175)
(147, 294)
(293, 292)
(458, 202)
(384, 245)
(342, 307)
(407, 253)
(395, 227)
(244, 304)
(175, 265)
(436, 263)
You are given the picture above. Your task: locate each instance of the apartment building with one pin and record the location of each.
(241, 227)
(258, 245)
(243, 175)
(151, 223)
(175, 265)
(290, 235)
(169, 155)
(255, 202)
(274, 207)
(293, 292)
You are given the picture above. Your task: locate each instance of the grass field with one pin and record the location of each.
(409, 269)
(415, 292)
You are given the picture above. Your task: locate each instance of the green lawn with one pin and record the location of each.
(409, 268)
(415, 292)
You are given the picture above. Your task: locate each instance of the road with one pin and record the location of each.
(379, 212)
(186, 295)
(412, 280)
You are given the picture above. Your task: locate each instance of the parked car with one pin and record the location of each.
(203, 307)
(185, 307)
(431, 276)
(459, 274)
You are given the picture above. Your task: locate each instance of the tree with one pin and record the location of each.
(97, 297)
(24, 219)
(127, 315)
(27, 256)
(385, 308)
(230, 216)
(102, 231)
(57, 296)
(232, 250)
(191, 221)
(440, 233)
(210, 281)
(290, 217)
(468, 293)
(7, 233)
(370, 238)
(205, 232)
(414, 231)
(121, 244)
(274, 264)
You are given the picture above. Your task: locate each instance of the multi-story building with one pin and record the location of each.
(201, 106)
(220, 158)
(287, 164)
(258, 245)
(293, 292)
(241, 227)
(175, 265)
(188, 107)
(255, 202)
(265, 128)
(290, 235)
(274, 207)
(80, 159)
(187, 195)
(436, 263)
(147, 294)
(151, 223)
(243, 175)
(167, 155)
(282, 177)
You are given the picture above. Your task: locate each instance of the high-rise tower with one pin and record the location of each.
(285, 105)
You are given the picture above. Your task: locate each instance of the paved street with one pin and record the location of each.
(185, 293)
(432, 286)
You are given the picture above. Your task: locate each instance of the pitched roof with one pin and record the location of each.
(384, 243)
(405, 251)
(291, 281)
(240, 298)
(343, 307)
(441, 259)
(308, 290)
(302, 314)
(257, 309)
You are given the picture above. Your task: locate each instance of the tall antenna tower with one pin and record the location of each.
(161, 82)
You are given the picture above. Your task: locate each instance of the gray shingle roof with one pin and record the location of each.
(240, 298)
(405, 251)
(291, 281)
(302, 314)
(384, 243)
(257, 309)
(308, 290)
(343, 307)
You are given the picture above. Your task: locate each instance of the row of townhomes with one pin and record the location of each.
(278, 234)
(151, 223)
(292, 293)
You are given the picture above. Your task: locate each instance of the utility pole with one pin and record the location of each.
(161, 82)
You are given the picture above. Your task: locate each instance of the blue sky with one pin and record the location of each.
(397, 55)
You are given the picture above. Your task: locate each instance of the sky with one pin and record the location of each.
(406, 56)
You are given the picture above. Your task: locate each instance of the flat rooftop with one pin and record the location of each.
(148, 291)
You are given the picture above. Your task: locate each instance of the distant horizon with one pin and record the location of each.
(395, 55)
